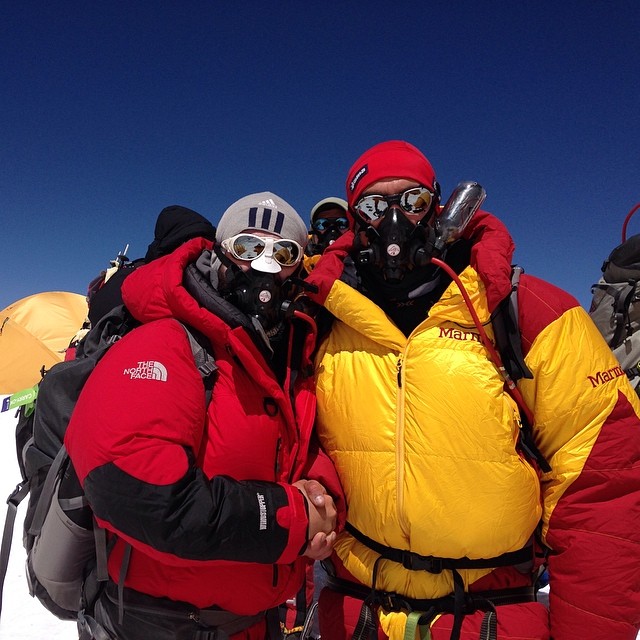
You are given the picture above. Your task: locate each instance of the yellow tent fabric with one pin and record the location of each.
(35, 332)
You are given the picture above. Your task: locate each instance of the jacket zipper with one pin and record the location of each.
(277, 462)
(400, 445)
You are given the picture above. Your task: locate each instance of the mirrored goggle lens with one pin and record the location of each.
(322, 224)
(412, 201)
(246, 246)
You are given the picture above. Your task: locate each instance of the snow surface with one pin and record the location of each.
(23, 617)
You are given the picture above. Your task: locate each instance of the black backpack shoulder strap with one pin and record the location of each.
(16, 497)
(506, 331)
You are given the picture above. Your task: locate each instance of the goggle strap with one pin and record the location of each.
(222, 256)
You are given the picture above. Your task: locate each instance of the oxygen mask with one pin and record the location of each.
(326, 231)
(259, 290)
(399, 237)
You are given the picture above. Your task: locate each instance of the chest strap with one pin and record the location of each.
(434, 564)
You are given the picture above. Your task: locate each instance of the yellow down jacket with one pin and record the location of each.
(423, 435)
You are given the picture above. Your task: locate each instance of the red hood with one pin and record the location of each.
(156, 290)
(491, 256)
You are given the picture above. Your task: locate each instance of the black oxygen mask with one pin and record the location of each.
(397, 247)
(260, 295)
(325, 232)
(393, 247)
(331, 233)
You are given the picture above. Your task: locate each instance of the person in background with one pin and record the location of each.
(463, 486)
(212, 511)
(328, 221)
(175, 224)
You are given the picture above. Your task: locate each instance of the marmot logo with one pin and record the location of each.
(606, 376)
(148, 370)
(459, 334)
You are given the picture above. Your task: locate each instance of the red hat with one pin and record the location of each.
(392, 159)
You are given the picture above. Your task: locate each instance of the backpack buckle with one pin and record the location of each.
(208, 367)
(17, 495)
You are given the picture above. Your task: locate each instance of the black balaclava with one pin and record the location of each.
(174, 226)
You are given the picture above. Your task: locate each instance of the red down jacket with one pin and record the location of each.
(206, 502)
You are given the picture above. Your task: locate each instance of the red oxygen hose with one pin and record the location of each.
(626, 221)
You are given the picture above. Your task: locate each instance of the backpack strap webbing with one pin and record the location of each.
(102, 552)
(16, 497)
(48, 489)
(203, 358)
(124, 567)
(506, 331)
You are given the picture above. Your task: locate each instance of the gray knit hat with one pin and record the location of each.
(263, 211)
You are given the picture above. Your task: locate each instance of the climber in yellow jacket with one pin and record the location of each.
(456, 508)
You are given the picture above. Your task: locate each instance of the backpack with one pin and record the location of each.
(58, 517)
(615, 305)
(104, 291)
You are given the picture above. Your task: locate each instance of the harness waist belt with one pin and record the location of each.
(434, 564)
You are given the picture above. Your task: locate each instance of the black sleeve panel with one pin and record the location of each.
(194, 518)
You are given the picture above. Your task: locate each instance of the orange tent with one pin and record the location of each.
(34, 333)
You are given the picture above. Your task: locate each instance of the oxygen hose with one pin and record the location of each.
(626, 221)
(493, 353)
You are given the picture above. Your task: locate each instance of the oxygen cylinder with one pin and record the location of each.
(456, 213)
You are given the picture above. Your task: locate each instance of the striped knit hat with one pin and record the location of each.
(263, 211)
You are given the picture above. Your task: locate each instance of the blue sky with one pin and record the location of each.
(112, 110)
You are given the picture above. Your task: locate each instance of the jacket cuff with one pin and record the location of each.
(294, 518)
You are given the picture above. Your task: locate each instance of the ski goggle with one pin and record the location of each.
(322, 224)
(413, 202)
(246, 246)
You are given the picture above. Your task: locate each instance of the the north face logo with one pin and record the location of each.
(148, 370)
